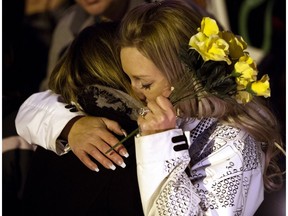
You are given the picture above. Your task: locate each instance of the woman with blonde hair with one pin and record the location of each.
(206, 135)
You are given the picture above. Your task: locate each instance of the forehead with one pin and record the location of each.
(134, 63)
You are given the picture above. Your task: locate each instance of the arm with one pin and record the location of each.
(225, 168)
(41, 119)
(228, 181)
(162, 159)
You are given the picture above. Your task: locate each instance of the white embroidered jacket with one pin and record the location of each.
(223, 175)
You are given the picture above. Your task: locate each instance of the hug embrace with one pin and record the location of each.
(207, 143)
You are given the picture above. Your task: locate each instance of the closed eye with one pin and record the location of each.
(146, 86)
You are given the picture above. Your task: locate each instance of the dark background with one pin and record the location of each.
(26, 39)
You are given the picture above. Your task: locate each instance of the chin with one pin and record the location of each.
(97, 7)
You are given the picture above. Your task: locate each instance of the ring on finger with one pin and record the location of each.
(143, 111)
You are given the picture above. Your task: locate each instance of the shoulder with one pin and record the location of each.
(225, 134)
(224, 138)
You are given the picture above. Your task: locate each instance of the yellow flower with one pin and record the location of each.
(209, 27)
(208, 43)
(243, 97)
(241, 83)
(215, 45)
(236, 44)
(261, 87)
(246, 70)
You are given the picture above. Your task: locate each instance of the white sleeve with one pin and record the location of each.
(41, 119)
(226, 180)
(161, 162)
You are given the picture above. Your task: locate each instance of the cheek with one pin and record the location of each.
(167, 92)
(152, 94)
(164, 89)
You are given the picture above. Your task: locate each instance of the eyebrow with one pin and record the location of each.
(140, 76)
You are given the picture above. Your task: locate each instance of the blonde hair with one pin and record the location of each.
(92, 58)
(159, 31)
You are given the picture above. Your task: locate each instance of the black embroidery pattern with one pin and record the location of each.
(223, 193)
(218, 144)
(231, 168)
(251, 153)
(171, 164)
(203, 125)
(201, 147)
(176, 196)
(234, 179)
(208, 200)
(226, 190)
(226, 132)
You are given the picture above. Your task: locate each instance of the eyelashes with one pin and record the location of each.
(138, 83)
(146, 86)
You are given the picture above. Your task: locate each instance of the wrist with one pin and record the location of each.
(66, 130)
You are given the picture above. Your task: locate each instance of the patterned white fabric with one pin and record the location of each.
(219, 174)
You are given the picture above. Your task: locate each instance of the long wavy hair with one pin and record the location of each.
(92, 58)
(159, 30)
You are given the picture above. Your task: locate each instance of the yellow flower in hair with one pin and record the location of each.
(242, 83)
(208, 27)
(243, 97)
(208, 43)
(261, 87)
(236, 44)
(239, 79)
(246, 71)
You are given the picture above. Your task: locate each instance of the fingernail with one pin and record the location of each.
(112, 167)
(96, 169)
(124, 132)
(124, 153)
(123, 165)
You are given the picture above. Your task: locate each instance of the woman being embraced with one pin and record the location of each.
(207, 143)
(89, 76)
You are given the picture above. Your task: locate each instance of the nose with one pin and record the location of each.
(138, 93)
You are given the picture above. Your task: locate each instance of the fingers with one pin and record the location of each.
(114, 126)
(164, 103)
(104, 136)
(83, 155)
(89, 137)
(85, 159)
(162, 116)
(105, 159)
(161, 108)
